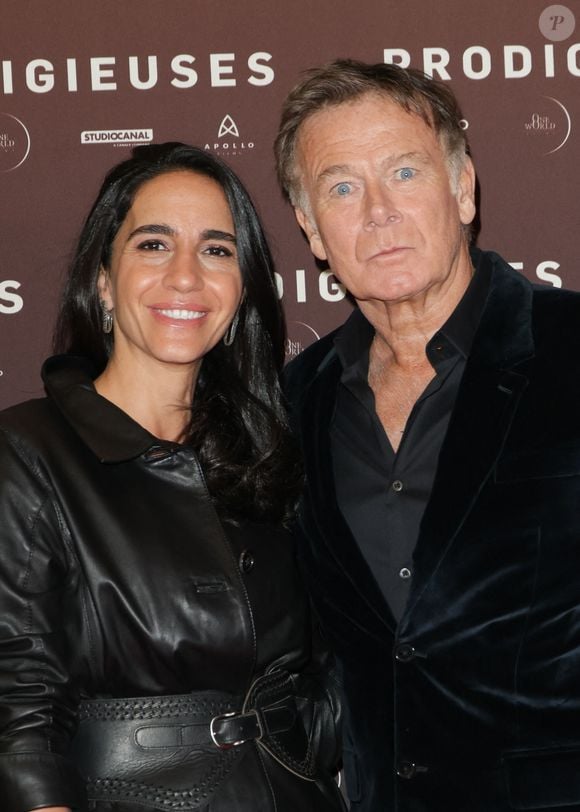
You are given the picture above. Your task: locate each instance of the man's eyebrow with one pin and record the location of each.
(422, 157)
(333, 171)
(392, 160)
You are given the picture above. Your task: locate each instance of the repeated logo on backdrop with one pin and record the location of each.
(14, 142)
(549, 125)
(300, 336)
(117, 137)
(228, 141)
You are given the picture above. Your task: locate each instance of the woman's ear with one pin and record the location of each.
(104, 288)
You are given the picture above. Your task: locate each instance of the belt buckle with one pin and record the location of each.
(237, 743)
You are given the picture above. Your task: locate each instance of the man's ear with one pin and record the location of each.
(465, 194)
(104, 288)
(308, 226)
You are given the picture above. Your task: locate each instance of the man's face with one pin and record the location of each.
(382, 210)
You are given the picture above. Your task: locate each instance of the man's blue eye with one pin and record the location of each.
(406, 173)
(343, 189)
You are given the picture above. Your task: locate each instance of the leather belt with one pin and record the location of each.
(225, 730)
(232, 729)
(172, 752)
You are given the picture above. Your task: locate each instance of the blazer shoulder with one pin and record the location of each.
(556, 318)
(547, 298)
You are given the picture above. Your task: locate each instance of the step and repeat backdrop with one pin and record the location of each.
(81, 81)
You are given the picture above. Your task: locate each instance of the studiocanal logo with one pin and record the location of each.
(229, 142)
(14, 142)
(549, 124)
(119, 138)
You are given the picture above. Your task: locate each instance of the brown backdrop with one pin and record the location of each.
(80, 80)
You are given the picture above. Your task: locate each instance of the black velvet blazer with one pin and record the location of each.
(472, 702)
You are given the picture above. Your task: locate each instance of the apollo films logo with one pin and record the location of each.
(14, 142)
(228, 127)
(229, 141)
(117, 137)
(300, 336)
(549, 124)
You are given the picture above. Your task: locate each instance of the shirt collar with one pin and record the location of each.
(108, 431)
(462, 324)
(354, 339)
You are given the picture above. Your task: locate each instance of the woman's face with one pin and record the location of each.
(174, 282)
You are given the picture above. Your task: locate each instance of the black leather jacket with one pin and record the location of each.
(117, 580)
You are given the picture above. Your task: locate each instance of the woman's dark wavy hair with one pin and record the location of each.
(238, 426)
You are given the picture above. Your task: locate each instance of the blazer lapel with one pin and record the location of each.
(489, 393)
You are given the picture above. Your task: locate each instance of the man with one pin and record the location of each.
(440, 525)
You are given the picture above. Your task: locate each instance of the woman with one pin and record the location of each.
(155, 645)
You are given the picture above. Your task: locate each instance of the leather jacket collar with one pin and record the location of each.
(108, 431)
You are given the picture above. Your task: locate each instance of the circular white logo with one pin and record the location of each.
(300, 336)
(14, 142)
(548, 125)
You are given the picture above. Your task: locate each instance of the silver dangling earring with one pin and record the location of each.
(228, 339)
(107, 318)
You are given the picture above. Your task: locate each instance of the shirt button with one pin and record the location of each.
(397, 485)
(247, 561)
(406, 769)
(405, 573)
(404, 653)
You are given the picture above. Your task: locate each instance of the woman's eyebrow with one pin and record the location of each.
(153, 228)
(216, 234)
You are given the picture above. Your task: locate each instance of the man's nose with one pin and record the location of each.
(381, 209)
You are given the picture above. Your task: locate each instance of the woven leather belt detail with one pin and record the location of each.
(173, 752)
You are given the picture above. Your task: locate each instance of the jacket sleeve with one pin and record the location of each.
(37, 703)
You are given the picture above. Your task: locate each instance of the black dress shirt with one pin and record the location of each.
(383, 494)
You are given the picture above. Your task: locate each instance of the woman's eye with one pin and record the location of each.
(151, 245)
(218, 251)
(342, 189)
(406, 173)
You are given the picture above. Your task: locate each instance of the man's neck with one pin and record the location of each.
(403, 328)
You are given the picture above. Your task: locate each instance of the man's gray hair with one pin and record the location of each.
(346, 80)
